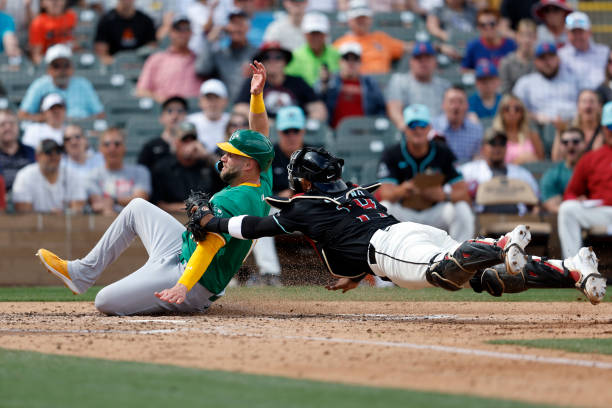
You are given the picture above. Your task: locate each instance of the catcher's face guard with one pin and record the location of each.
(317, 166)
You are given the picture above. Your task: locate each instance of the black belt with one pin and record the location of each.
(371, 254)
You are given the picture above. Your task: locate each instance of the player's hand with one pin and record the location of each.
(345, 284)
(176, 294)
(259, 77)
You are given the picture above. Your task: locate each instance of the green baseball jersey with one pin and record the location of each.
(245, 199)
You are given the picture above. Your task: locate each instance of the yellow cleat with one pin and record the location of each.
(57, 267)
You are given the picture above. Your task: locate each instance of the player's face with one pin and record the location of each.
(233, 164)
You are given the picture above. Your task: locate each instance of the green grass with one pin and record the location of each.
(29, 379)
(317, 293)
(597, 346)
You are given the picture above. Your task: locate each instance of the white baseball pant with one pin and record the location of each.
(575, 216)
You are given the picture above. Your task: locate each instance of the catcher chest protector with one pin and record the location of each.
(319, 167)
(249, 143)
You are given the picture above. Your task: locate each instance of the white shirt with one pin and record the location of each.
(198, 16)
(93, 161)
(209, 132)
(37, 132)
(284, 32)
(478, 171)
(589, 65)
(31, 186)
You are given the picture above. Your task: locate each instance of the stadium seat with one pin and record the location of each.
(538, 168)
(143, 129)
(129, 64)
(122, 109)
(460, 39)
(318, 134)
(368, 172)
(547, 134)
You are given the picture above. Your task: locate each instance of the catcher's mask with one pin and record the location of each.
(319, 167)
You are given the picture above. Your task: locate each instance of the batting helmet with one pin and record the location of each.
(319, 167)
(252, 144)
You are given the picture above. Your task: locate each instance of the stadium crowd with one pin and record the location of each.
(104, 101)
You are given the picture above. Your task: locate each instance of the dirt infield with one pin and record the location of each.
(418, 345)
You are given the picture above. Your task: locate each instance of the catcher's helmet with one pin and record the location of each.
(249, 143)
(319, 167)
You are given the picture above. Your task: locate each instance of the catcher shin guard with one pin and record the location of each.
(454, 270)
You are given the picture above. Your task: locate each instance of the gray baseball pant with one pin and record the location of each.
(160, 234)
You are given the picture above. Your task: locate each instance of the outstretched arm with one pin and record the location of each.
(258, 117)
(244, 226)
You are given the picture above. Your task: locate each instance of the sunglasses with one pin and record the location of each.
(548, 9)
(497, 142)
(485, 24)
(417, 124)
(290, 132)
(574, 142)
(75, 137)
(54, 151)
(351, 57)
(273, 56)
(117, 143)
(60, 65)
(512, 108)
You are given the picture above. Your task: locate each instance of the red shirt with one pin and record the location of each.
(592, 176)
(46, 30)
(349, 101)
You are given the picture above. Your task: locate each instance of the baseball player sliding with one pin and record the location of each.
(181, 274)
(355, 236)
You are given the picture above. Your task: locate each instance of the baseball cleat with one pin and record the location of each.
(515, 257)
(591, 283)
(57, 267)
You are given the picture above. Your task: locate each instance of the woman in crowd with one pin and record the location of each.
(588, 119)
(524, 144)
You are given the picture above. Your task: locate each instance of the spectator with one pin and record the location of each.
(114, 185)
(81, 99)
(492, 165)
(53, 26)
(378, 48)
(42, 187)
(281, 89)
(190, 168)
(513, 11)
(588, 196)
(212, 120)
(555, 180)
(485, 100)
(316, 59)
(551, 92)
(23, 11)
(454, 15)
(524, 144)
(78, 156)
(588, 120)
(206, 18)
(9, 44)
(230, 63)
(418, 85)
(416, 156)
(123, 28)
(14, 155)
(349, 93)
(462, 133)
(287, 30)
(586, 58)
(490, 45)
(605, 88)
(171, 72)
(520, 62)
(552, 13)
(53, 109)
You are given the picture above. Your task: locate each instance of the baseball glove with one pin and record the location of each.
(197, 206)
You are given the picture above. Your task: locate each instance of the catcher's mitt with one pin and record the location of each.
(197, 206)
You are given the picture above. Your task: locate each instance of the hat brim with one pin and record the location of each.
(537, 9)
(260, 54)
(228, 147)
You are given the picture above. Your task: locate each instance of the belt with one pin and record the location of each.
(371, 254)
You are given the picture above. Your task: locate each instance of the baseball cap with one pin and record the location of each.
(290, 117)
(237, 12)
(272, 46)
(545, 48)
(606, 116)
(50, 101)
(358, 8)
(315, 22)
(181, 18)
(187, 130)
(538, 8)
(350, 48)
(57, 51)
(577, 20)
(48, 146)
(492, 134)
(423, 48)
(175, 98)
(416, 112)
(215, 87)
(485, 69)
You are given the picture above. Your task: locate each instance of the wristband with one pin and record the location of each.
(257, 103)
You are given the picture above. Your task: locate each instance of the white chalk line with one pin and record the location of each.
(444, 349)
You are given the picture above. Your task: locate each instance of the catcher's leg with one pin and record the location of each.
(456, 269)
(579, 271)
(159, 232)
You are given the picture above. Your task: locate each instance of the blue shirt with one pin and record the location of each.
(477, 50)
(7, 25)
(464, 141)
(81, 99)
(477, 106)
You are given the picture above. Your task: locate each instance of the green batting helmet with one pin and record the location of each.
(249, 143)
